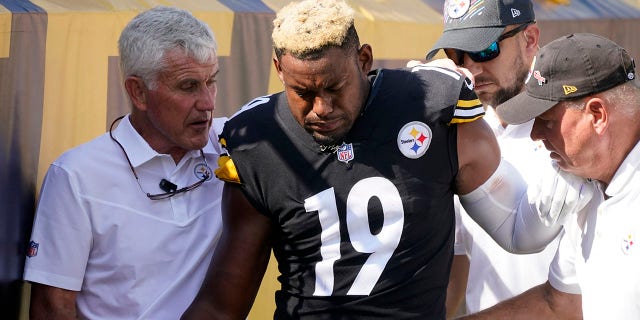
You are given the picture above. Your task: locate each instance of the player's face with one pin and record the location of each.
(567, 133)
(501, 78)
(179, 108)
(326, 95)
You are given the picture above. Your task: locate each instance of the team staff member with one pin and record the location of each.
(585, 97)
(349, 176)
(497, 47)
(126, 224)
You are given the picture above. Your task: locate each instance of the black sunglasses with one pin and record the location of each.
(492, 51)
(170, 188)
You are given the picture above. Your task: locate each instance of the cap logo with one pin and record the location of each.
(457, 8)
(631, 75)
(569, 89)
(541, 80)
(515, 12)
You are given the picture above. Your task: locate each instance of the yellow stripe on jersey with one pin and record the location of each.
(467, 111)
(227, 170)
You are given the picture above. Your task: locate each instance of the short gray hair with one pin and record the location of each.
(151, 34)
(624, 98)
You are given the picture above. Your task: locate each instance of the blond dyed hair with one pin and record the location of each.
(305, 28)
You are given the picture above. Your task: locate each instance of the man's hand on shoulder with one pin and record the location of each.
(443, 63)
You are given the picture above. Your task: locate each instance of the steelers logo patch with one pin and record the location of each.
(457, 8)
(414, 139)
(202, 171)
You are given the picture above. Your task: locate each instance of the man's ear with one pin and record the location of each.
(532, 36)
(137, 91)
(365, 58)
(597, 108)
(276, 64)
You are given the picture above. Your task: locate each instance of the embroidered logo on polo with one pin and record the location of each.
(32, 251)
(414, 139)
(202, 170)
(628, 244)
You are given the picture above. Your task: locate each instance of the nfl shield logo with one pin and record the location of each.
(345, 152)
(33, 249)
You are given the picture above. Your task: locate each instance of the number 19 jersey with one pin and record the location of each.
(364, 230)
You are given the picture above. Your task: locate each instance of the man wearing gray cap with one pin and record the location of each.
(496, 40)
(585, 98)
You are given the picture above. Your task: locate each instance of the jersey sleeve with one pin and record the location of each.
(61, 237)
(468, 107)
(442, 83)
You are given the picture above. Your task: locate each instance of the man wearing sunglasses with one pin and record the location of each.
(126, 223)
(496, 40)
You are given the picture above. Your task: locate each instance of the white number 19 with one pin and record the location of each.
(381, 246)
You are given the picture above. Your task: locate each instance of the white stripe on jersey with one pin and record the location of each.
(468, 113)
(253, 103)
(446, 71)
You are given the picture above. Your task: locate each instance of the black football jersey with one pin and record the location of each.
(365, 231)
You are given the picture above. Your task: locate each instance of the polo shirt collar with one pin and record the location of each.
(625, 173)
(139, 150)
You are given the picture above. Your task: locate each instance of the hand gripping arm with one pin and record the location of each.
(524, 221)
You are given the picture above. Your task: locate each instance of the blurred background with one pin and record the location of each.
(60, 83)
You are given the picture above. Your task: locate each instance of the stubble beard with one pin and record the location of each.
(504, 94)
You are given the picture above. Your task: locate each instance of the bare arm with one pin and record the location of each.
(239, 262)
(457, 286)
(540, 302)
(478, 155)
(51, 303)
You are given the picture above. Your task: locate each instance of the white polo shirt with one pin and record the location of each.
(599, 255)
(96, 232)
(495, 274)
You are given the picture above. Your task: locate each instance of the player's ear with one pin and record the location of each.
(276, 64)
(365, 58)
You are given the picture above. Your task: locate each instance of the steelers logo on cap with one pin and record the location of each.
(457, 8)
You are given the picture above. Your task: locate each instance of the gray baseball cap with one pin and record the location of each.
(568, 68)
(473, 25)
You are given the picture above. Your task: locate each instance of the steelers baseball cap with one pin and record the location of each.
(567, 68)
(474, 25)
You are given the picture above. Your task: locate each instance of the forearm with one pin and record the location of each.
(457, 286)
(51, 303)
(239, 262)
(540, 302)
(501, 207)
(228, 293)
